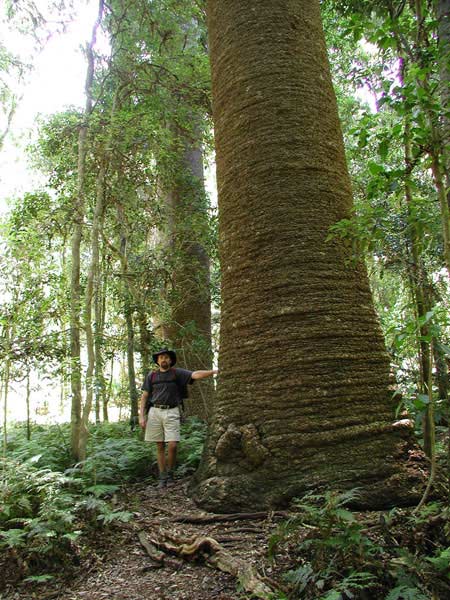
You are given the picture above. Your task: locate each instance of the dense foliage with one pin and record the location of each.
(50, 508)
(336, 553)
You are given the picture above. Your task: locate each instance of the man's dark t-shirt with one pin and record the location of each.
(165, 386)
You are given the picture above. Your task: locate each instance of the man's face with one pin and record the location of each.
(164, 361)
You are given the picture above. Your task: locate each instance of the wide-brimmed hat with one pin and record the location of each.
(171, 353)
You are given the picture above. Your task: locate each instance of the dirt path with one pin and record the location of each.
(126, 572)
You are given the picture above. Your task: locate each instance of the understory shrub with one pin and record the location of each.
(335, 554)
(193, 434)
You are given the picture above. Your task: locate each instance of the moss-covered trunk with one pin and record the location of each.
(305, 392)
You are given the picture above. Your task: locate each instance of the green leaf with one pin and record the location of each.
(14, 538)
(424, 398)
(332, 595)
(383, 148)
(345, 515)
(73, 536)
(404, 592)
(442, 561)
(101, 489)
(109, 517)
(375, 168)
(39, 578)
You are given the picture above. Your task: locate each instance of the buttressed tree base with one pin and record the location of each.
(305, 392)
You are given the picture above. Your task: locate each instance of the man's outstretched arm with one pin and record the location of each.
(204, 374)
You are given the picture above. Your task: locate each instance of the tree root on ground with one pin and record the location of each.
(214, 555)
(256, 516)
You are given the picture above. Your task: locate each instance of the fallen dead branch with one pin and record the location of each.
(213, 553)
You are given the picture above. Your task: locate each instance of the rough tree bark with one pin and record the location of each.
(305, 392)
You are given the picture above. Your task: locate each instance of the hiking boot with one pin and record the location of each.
(170, 478)
(162, 481)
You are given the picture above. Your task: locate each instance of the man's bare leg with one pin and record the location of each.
(171, 458)
(161, 459)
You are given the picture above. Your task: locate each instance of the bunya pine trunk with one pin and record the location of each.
(305, 389)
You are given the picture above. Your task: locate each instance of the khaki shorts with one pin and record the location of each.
(163, 425)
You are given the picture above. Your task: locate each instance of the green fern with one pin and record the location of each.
(117, 515)
(403, 592)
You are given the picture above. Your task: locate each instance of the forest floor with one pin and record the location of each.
(118, 567)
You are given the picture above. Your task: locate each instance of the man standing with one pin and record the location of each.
(165, 389)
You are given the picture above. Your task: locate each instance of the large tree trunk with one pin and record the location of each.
(305, 392)
(190, 300)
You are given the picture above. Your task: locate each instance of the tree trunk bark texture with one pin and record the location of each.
(305, 391)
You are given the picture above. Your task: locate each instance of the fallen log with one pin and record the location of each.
(214, 555)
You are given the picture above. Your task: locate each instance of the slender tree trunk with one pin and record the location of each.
(190, 327)
(439, 180)
(5, 437)
(65, 371)
(131, 371)
(93, 283)
(441, 370)
(92, 286)
(27, 401)
(443, 18)
(128, 312)
(109, 393)
(438, 149)
(419, 286)
(305, 392)
(99, 329)
(5, 387)
(145, 339)
(79, 214)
